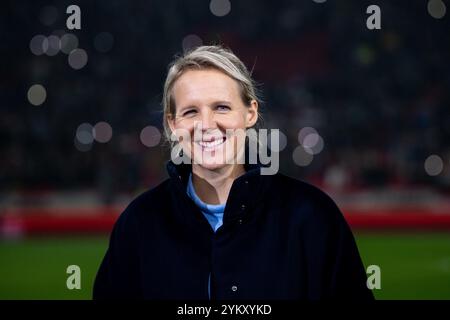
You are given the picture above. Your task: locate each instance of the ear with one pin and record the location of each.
(252, 114)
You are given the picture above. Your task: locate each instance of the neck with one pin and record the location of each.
(213, 186)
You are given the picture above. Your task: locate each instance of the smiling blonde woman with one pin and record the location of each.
(218, 228)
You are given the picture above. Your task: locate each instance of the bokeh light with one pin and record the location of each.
(77, 58)
(102, 132)
(69, 42)
(191, 41)
(433, 165)
(220, 8)
(37, 94)
(310, 139)
(313, 143)
(304, 132)
(85, 134)
(54, 45)
(336, 177)
(150, 136)
(302, 157)
(39, 44)
(436, 9)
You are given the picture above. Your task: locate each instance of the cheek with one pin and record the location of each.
(185, 125)
(184, 132)
(234, 121)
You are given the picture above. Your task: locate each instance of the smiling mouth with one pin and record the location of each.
(211, 145)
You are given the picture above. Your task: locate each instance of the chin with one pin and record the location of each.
(214, 163)
(211, 164)
(211, 167)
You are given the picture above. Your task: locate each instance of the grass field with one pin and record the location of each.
(413, 265)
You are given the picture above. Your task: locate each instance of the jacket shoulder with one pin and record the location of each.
(309, 201)
(147, 202)
(151, 197)
(301, 187)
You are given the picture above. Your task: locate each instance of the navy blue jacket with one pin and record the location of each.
(281, 238)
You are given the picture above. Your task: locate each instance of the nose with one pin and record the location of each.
(207, 120)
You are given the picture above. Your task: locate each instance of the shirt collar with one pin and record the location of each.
(205, 207)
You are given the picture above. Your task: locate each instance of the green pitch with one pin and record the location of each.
(413, 265)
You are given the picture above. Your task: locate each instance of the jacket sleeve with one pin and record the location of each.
(118, 275)
(335, 268)
(347, 272)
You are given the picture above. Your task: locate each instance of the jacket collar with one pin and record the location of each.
(246, 191)
(180, 172)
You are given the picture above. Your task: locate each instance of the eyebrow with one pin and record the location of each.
(221, 102)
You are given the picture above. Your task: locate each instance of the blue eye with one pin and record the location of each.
(223, 107)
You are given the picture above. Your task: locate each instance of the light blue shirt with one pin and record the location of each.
(212, 212)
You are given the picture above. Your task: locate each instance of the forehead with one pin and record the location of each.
(203, 86)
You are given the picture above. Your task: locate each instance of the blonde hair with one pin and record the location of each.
(205, 57)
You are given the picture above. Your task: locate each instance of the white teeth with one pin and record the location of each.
(211, 144)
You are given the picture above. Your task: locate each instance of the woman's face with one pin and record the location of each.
(212, 116)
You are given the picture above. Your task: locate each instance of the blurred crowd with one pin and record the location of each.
(380, 99)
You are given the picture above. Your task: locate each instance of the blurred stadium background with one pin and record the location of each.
(364, 115)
